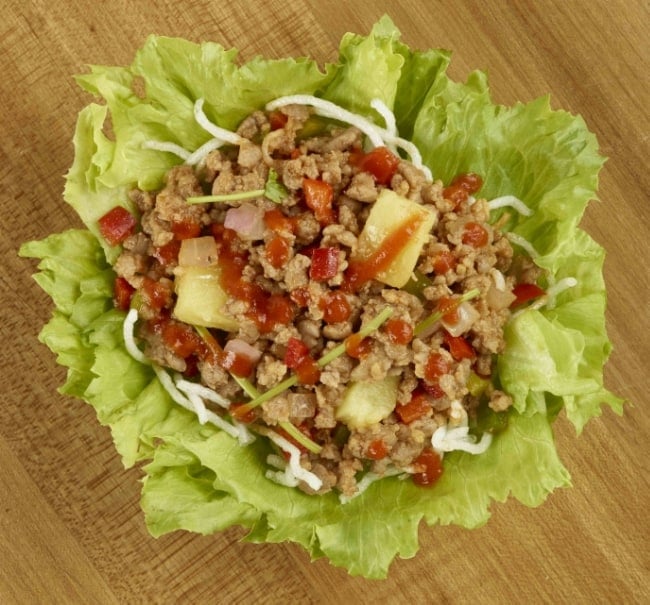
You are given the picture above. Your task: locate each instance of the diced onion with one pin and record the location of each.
(198, 252)
(243, 349)
(467, 315)
(247, 220)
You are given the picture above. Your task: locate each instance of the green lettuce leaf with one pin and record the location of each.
(198, 478)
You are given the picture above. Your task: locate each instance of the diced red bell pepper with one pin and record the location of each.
(381, 163)
(318, 197)
(525, 292)
(377, 449)
(324, 263)
(122, 293)
(414, 409)
(277, 251)
(167, 254)
(429, 465)
(116, 225)
(459, 347)
(277, 221)
(296, 352)
(436, 366)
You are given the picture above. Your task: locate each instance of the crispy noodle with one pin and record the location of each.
(168, 147)
(300, 473)
(367, 480)
(556, 288)
(445, 439)
(522, 242)
(225, 136)
(512, 201)
(378, 137)
(129, 340)
(188, 395)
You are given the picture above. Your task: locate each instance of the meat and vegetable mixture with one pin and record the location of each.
(336, 300)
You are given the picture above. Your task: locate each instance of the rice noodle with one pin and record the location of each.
(445, 439)
(169, 147)
(226, 136)
(379, 137)
(512, 201)
(313, 481)
(129, 339)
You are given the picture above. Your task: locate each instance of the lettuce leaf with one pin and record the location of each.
(198, 478)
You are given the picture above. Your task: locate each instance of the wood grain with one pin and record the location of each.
(72, 530)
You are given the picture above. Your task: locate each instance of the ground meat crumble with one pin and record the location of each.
(291, 277)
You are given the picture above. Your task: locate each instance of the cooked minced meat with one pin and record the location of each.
(288, 269)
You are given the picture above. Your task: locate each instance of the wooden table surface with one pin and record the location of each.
(71, 530)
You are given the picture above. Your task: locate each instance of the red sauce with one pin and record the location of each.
(236, 364)
(399, 331)
(167, 254)
(308, 371)
(361, 271)
(266, 310)
(357, 347)
(180, 338)
(186, 229)
(462, 187)
(475, 235)
(335, 307)
(443, 262)
(156, 295)
(300, 296)
(247, 416)
(449, 308)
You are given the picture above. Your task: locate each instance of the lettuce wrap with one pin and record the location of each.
(200, 479)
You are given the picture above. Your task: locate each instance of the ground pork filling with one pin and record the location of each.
(262, 269)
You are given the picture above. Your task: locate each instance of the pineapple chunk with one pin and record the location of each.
(200, 299)
(367, 403)
(388, 212)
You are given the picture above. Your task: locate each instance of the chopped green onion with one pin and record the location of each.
(371, 326)
(427, 322)
(300, 437)
(330, 356)
(273, 190)
(226, 197)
